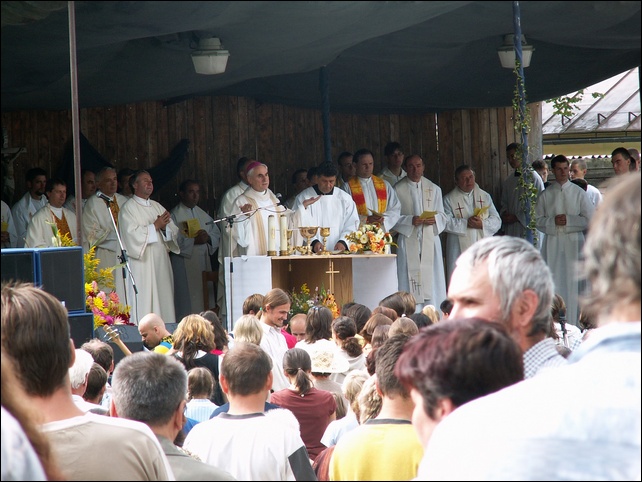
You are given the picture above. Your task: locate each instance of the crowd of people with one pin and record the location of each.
(533, 343)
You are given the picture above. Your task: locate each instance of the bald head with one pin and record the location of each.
(152, 330)
(297, 326)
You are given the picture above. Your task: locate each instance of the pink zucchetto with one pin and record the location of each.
(252, 165)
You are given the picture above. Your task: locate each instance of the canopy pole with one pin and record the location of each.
(521, 85)
(325, 98)
(75, 119)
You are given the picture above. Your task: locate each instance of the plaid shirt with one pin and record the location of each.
(541, 355)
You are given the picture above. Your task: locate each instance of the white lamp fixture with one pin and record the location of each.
(210, 57)
(507, 52)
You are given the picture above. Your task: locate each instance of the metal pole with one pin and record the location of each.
(75, 119)
(521, 85)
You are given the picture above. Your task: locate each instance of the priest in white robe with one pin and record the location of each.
(34, 199)
(376, 200)
(259, 202)
(471, 216)
(198, 241)
(98, 228)
(227, 246)
(563, 212)
(420, 262)
(9, 233)
(326, 206)
(149, 234)
(39, 231)
(511, 209)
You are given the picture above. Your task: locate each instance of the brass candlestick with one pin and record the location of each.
(288, 249)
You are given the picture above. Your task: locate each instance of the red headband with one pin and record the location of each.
(252, 165)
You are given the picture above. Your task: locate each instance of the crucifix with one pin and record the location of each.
(331, 271)
(480, 201)
(460, 209)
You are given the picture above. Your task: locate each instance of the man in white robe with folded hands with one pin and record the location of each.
(420, 265)
(199, 239)
(326, 206)
(149, 234)
(472, 216)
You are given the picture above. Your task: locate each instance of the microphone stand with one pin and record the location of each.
(123, 258)
(230, 221)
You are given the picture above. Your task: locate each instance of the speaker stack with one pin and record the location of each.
(60, 272)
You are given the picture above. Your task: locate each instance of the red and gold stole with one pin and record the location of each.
(360, 199)
(63, 227)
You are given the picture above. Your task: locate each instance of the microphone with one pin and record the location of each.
(104, 198)
(279, 198)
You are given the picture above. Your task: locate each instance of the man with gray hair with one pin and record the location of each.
(151, 388)
(98, 227)
(578, 171)
(592, 405)
(505, 279)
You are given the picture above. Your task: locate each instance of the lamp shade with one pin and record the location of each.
(210, 57)
(507, 52)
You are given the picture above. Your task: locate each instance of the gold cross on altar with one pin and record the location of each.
(331, 271)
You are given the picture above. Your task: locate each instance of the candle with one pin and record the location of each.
(271, 234)
(284, 232)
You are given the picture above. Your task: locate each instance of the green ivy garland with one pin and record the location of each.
(528, 191)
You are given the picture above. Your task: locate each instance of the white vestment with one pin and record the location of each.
(459, 206)
(393, 207)
(251, 231)
(189, 264)
(39, 231)
(148, 251)
(594, 194)
(510, 203)
(387, 175)
(335, 210)
(98, 229)
(22, 212)
(563, 244)
(9, 226)
(225, 209)
(420, 262)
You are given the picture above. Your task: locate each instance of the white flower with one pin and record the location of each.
(363, 239)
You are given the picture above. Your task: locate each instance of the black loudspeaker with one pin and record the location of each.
(62, 274)
(19, 265)
(81, 327)
(128, 334)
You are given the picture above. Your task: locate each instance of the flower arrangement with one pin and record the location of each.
(304, 300)
(369, 237)
(106, 308)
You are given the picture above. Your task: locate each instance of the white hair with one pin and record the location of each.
(81, 367)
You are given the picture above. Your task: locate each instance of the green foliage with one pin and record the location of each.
(566, 105)
(525, 184)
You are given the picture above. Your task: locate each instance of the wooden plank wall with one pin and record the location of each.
(222, 129)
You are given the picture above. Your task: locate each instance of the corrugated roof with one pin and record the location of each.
(617, 111)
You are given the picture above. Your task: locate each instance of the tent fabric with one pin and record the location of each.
(381, 57)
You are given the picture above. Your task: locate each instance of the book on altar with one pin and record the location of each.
(192, 226)
(428, 214)
(481, 211)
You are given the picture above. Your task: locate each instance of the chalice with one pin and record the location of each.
(308, 232)
(325, 232)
